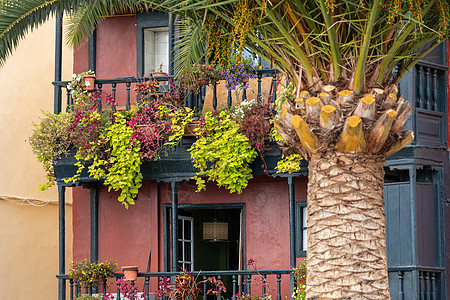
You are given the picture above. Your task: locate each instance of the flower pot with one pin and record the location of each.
(159, 74)
(89, 82)
(245, 80)
(130, 272)
(189, 128)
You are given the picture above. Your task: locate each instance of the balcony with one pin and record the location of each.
(175, 163)
(273, 283)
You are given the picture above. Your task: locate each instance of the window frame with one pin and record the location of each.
(151, 19)
(299, 207)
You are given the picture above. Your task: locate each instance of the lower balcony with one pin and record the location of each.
(243, 284)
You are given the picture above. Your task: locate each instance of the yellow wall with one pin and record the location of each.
(28, 217)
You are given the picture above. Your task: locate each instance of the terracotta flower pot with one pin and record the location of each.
(245, 80)
(159, 74)
(130, 272)
(189, 129)
(89, 81)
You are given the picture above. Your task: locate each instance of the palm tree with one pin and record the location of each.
(342, 113)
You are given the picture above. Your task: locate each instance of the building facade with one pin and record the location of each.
(267, 222)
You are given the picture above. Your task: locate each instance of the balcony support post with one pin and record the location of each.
(171, 42)
(293, 262)
(62, 241)
(174, 225)
(94, 223)
(57, 104)
(92, 53)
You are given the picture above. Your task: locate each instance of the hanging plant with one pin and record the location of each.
(51, 138)
(222, 153)
(116, 143)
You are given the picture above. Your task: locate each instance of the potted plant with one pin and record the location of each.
(84, 80)
(193, 78)
(92, 273)
(51, 138)
(238, 73)
(128, 290)
(300, 281)
(130, 272)
(185, 287)
(114, 143)
(160, 73)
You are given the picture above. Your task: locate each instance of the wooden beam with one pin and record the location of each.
(377, 137)
(308, 139)
(352, 138)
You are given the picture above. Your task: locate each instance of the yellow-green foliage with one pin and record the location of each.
(87, 273)
(289, 164)
(222, 153)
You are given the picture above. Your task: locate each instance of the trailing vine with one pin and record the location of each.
(124, 164)
(289, 164)
(51, 138)
(222, 153)
(114, 144)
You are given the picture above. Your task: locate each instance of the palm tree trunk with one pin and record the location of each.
(346, 227)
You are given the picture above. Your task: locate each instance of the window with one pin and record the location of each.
(156, 50)
(186, 243)
(153, 42)
(301, 216)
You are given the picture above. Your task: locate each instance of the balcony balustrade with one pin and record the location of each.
(240, 279)
(123, 85)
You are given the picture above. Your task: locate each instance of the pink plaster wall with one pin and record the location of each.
(81, 223)
(116, 53)
(80, 58)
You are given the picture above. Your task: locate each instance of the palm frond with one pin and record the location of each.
(86, 17)
(189, 48)
(17, 18)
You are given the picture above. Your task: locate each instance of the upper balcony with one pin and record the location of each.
(424, 87)
(175, 163)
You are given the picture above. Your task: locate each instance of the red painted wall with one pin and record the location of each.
(81, 58)
(81, 223)
(116, 47)
(116, 54)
